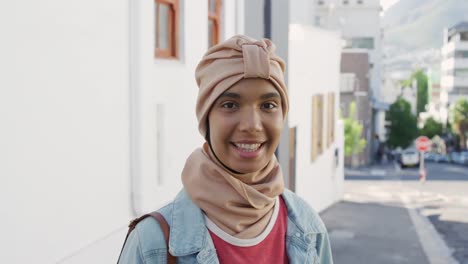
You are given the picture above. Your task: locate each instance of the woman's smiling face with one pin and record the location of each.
(245, 125)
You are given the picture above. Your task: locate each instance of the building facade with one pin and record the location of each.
(314, 92)
(454, 67)
(355, 88)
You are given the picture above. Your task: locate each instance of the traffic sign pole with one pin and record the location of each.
(423, 144)
(422, 169)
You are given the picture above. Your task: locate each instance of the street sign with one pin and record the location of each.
(423, 144)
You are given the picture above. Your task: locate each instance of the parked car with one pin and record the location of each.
(429, 156)
(408, 157)
(456, 157)
(464, 157)
(441, 158)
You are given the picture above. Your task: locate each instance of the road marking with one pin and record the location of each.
(433, 245)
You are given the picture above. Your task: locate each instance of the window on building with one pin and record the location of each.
(320, 2)
(360, 2)
(317, 127)
(347, 82)
(461, 72)
(214, 22)
(167, 13)
(464, 36)
(459, 90)
(331, 118)
(345, 2)
(461, 54)
(359, 43)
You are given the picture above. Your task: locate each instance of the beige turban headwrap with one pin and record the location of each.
(232, 60)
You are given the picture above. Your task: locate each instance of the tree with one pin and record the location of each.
(431, 128)
(402, 129)
(422, 89)
(354, 143)
(423, 92)
(459, 120)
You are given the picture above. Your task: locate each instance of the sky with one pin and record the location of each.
(387, 3)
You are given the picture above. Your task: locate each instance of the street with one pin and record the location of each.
(389, 216)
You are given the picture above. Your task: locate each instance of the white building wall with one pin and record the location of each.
(82, 102)
(64, 129)
(314, 68)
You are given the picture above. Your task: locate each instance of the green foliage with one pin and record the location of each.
(354, 143)
(403, 124)
(459, 120)
(432, 128)
(423, 91)
(407, 82)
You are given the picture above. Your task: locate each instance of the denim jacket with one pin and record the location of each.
(189, 240)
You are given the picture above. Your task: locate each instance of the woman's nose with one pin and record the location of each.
(250, 121)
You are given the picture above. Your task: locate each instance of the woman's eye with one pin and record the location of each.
(228, 105)
(268, 106)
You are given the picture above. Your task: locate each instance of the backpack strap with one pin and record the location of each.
(164, 227)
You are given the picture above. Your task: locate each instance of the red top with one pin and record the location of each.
(271, 250)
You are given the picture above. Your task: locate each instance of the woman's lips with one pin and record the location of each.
(251, 150)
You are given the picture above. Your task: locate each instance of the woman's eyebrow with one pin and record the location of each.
(230, 95)
(269, 95)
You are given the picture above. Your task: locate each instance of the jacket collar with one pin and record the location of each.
(188, 232)
(303, 222)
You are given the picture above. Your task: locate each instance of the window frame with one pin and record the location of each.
(317, 127)
(216, 19)
(331, 118)
(173, 28)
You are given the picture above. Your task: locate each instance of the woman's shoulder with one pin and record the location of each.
(146, 241)
(302, 213)
(178, 213)
(149, 231)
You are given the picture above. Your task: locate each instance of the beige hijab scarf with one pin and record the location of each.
(239, 204)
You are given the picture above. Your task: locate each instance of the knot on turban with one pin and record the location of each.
(232, 60)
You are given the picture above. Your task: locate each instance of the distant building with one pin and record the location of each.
(359, 23)
(454, 68)
(436, 108)
(355, 87)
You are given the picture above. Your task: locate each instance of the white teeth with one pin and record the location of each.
(248, 147)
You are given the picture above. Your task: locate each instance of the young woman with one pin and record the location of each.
(234, 207)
